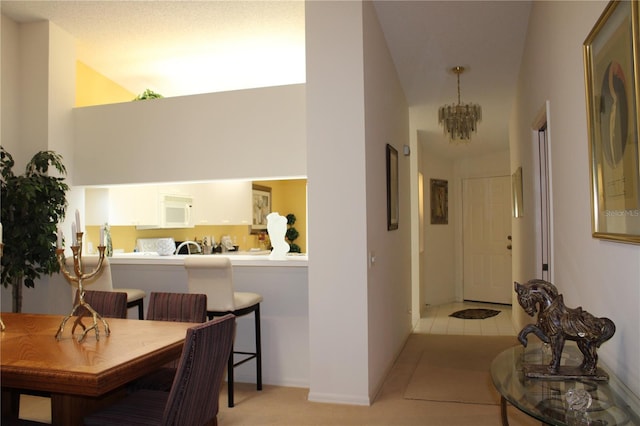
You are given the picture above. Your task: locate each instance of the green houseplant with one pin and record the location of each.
(31, 207)
(292, 234)
(148, 94)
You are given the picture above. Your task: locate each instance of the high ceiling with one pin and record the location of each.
(187, 47)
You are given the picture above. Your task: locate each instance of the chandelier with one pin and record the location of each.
(459, 120)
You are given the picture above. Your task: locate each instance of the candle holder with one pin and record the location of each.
(75, 277)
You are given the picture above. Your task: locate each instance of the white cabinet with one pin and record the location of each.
(96, 202)
(122, 205)
(222, 203)
(214, 203)
(133, 205)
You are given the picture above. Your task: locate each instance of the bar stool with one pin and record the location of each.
(103, 282)
(213, 276)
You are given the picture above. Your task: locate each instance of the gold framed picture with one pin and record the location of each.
(439, 202)
(611, 76)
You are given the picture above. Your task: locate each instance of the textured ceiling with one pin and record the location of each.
(188, 47)
(181, 47)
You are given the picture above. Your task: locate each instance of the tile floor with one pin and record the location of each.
(436, 320)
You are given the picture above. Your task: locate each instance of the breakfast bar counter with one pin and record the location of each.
(242, 258)
(284, 310)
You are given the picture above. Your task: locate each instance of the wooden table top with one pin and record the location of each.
(31, 358)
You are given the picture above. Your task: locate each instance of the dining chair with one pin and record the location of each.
(103, 281)
(109, 304)
(213, 276)
(194, 395)
(182, 307)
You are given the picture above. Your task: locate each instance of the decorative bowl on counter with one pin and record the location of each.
(165, 246)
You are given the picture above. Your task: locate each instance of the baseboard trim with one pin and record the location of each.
(339, 398)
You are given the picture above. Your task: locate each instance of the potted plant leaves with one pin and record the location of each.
(292, 234)
(32, 205)
(148, 94)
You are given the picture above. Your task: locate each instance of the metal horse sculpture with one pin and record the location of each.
(557, 323)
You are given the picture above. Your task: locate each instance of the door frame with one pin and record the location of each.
(542, 184)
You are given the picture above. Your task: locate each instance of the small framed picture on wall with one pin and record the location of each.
(439, 202)
(261, 208)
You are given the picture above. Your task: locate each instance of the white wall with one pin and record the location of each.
(61, 77)
(337, 203)
(253, 133)
(602, 277)
(437, 261)
(24, 88)
(9, 89)
(389, 278)
(38, 79)
(441, 263)
(359, 316)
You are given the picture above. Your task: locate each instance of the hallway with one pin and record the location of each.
(436, 320)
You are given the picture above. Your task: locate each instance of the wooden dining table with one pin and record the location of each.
(81, 377)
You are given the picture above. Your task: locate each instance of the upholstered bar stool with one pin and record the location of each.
(213, 276)
(103, 282)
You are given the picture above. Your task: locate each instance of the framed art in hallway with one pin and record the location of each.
(393, 203)
(612, 93)
(439, 202)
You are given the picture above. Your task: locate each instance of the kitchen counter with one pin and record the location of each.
(246, 258)
(284, 310)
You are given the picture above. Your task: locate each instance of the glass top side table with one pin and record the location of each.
(545, 399)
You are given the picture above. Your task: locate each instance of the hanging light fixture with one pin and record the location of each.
(459, 120)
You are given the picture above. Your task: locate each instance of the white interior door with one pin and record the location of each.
(486, 239)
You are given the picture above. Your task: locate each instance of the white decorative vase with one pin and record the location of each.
(165, 246)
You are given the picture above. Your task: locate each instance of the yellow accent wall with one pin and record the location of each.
(287, 196)
(290, 196)
(93, 88)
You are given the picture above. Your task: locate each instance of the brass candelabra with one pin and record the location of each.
(75, 277)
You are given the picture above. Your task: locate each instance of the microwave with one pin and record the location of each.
(175, 211)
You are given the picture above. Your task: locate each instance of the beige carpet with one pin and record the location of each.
(286, 406)
(456, 369)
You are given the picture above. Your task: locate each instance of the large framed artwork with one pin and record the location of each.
(439, 202)
(261, 205)
(393, 203)
(612, 93)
